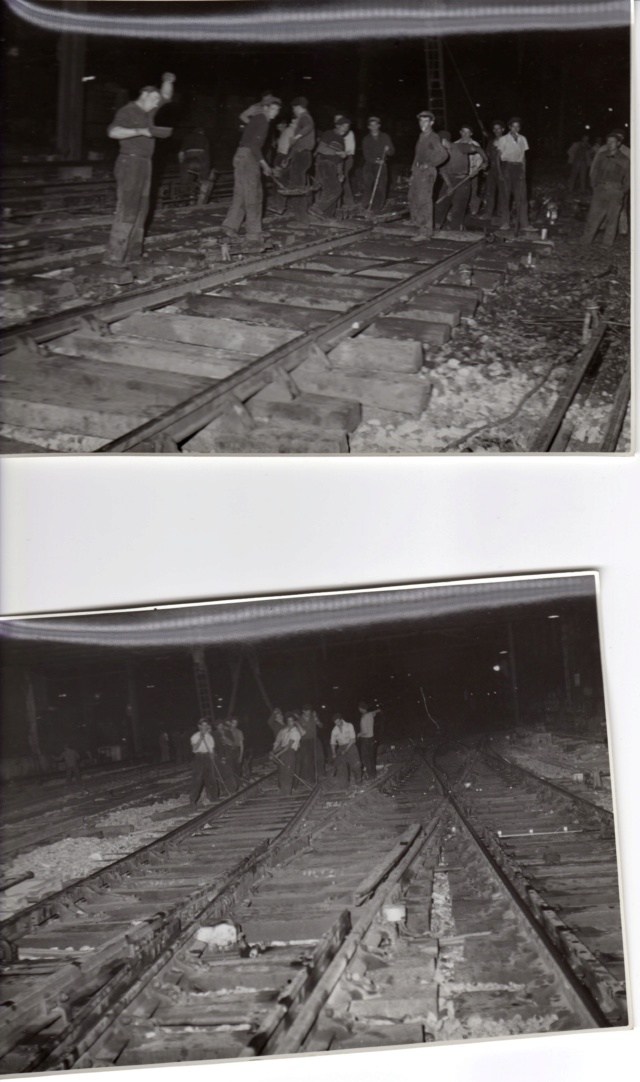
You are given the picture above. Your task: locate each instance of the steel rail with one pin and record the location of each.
(141, 956)
(488, 755)
(46, 328)
(548, 433)
(194, 413)
(19, 923)
(582, 999)
(618, 413)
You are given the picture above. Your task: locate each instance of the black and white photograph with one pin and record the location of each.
(316, 227)
(323, 822)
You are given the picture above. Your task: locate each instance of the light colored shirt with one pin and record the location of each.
(285, 137)
(343, 734)
(202, 743)
(512, 150)
(350, 143)
(287, 738)
(366, 723)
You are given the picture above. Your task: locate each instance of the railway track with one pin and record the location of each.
(390, 915)
(204, 364)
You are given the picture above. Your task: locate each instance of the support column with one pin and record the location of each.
(34, 696)
(565, 634)
(513, 673)
(133, 712)
(71, 69)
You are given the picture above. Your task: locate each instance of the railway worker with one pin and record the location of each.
(377, 148)
(303, 140)
(71, 759)
(330, 157)
(285, 749)
(610, 179)
(249, 166)
(133, 126)
(254, 110)
(225, 759)
(429, 154)
(203, 747)
(275, 721)
(579, 158)
(350, 148)
(165, 748)
(512, 148)
(343, 750)
(310, 752)
(366, 736)
(456, 183)
(494, 188)
(476, 162)
(237, 736)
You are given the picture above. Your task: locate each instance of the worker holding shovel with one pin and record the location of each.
(377, 148)
(456, 178)
(284, 751)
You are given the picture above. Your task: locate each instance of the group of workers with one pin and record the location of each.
(300, 754)
(457, 165)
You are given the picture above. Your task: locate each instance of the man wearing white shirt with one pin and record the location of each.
(350, 151)
(286, 745)
(366, 736)
(343, 750)
(203, 746)
(512, 148)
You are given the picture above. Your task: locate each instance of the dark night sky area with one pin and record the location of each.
(559, 82)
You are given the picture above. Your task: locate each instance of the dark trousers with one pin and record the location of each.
(515, 194)
(347, 194)
(458, 201)
(493, 191)
(227, 777)
(307, 765)
(606, 204)
(285, 770)
(369, 174)
(329, 177)
(295, 176)
(133, 184)
(348, 766)
(247, 195)
(203, 777)
(578, 176)
(368, 755)
(72, 773)
(423, 178)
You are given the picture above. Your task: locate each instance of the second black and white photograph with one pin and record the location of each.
(316, 228)
(330, 822)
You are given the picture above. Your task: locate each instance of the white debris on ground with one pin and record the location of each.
(62, 862)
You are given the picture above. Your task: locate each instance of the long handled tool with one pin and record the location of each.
(218, 776)
(464, 180)
(297, 776)
(377, 180)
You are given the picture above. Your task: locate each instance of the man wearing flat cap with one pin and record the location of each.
(248, 167)
(610, 177)
(133, 125)
(300, 157)
(330, 157)
(429, 154)
(377, 148)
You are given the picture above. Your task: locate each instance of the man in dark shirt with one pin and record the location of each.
(299, 158)
(134, 127)
(610, 178)
(248, 167)
(330, 157)
(456, 180)
(429, 154)
(376, 149)
(494, 187)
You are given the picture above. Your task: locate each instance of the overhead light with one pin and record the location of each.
(610, 110)
(504, 651)
(588, 127)
(477, 105)
(554, 616)
(88, 78)
(496, 668)
(307, 77)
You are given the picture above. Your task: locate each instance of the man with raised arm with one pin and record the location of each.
(133, 125)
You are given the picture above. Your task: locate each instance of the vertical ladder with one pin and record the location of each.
(435, 80)
(203, 688)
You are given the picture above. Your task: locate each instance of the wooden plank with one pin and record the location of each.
(355, 285)
(393, 270)
(264, 441)
(308, 410)
(407, 395)
(428, 315)
(385, 865)
(377, 355)
(268, 313)
(260, 290)
(545, 437)
(206, 361)
(201, 331)
(345, 264)
(406, 328)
